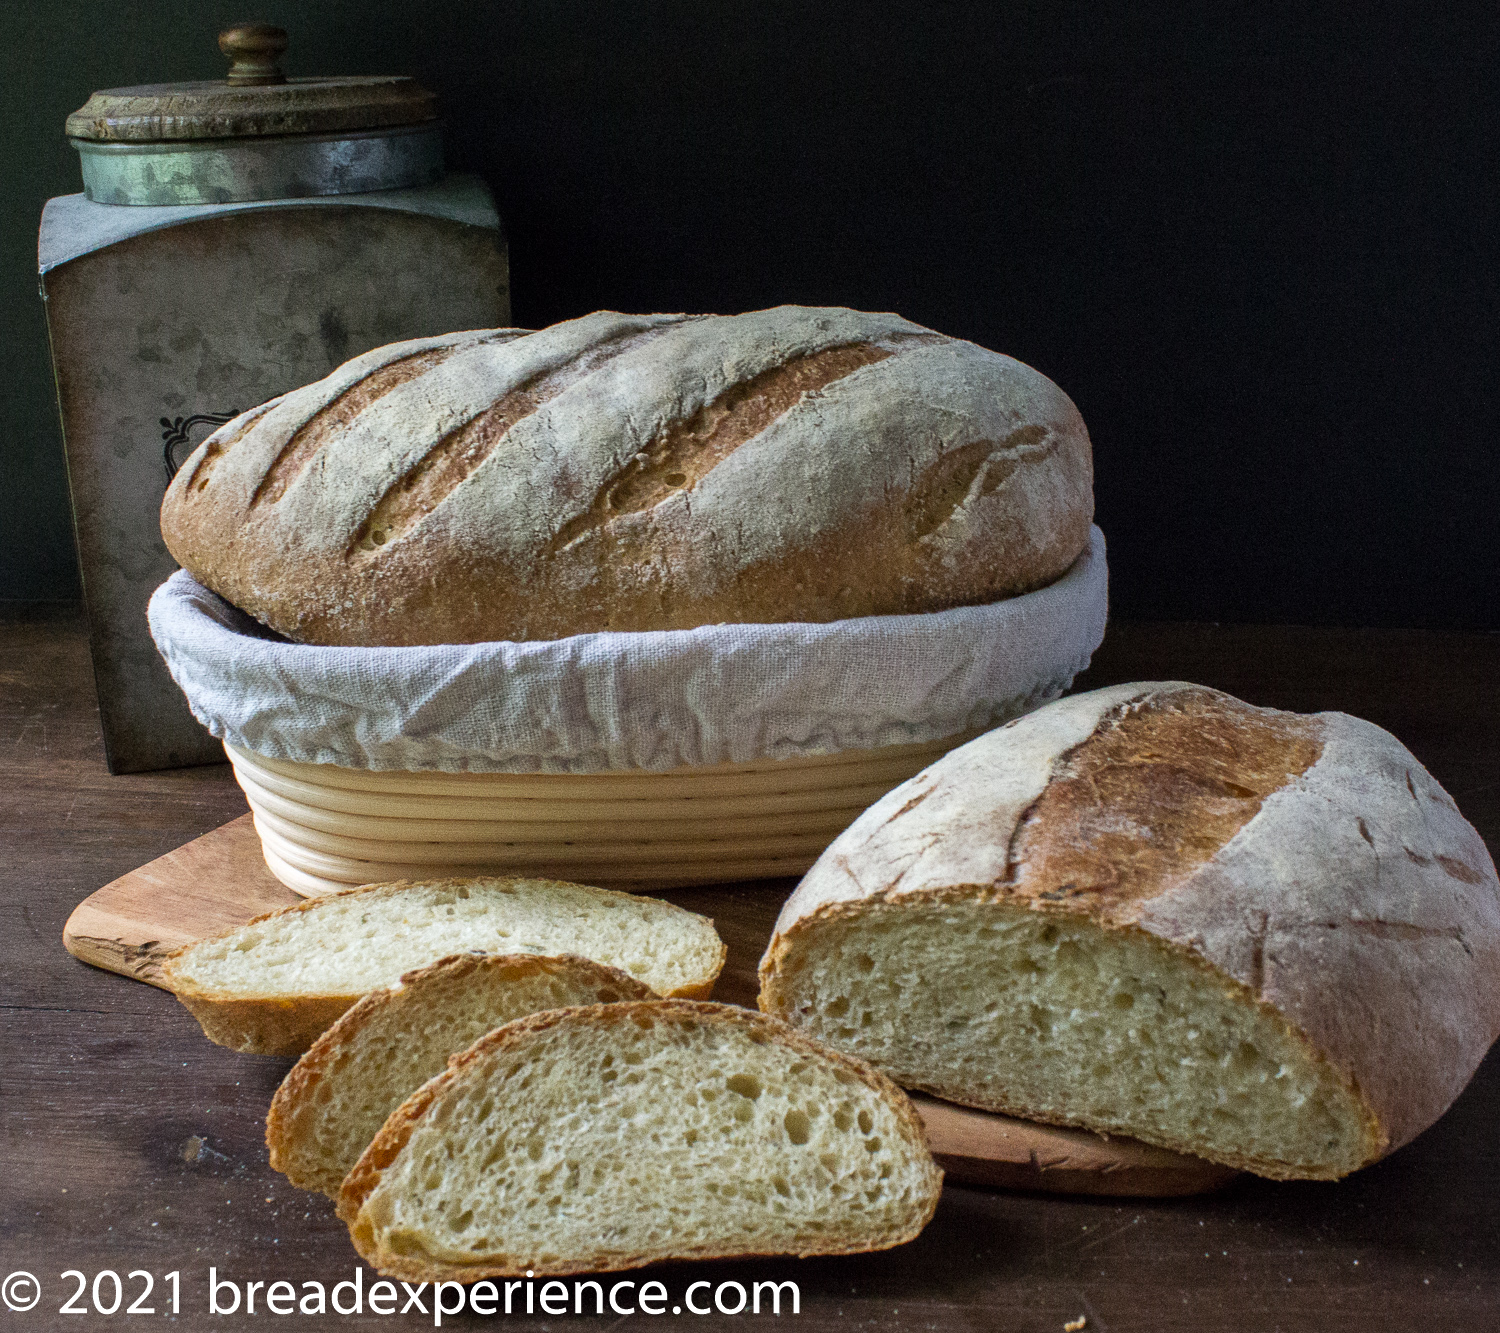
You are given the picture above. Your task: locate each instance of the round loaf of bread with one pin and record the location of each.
(1264, 938)
(638, 472)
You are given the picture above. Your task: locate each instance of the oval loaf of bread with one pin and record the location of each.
(341, 1091)
(638, 472)
(594, 1139)
(1264, 938)
(273, 985)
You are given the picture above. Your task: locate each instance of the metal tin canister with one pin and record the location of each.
(221, 171)
(256, 134)
(272, 230)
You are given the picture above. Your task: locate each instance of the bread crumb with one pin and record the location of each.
(1074, 1325)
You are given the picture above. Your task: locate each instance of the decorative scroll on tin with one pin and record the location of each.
(178, 440)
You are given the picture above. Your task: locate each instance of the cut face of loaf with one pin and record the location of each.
(638, 472)
(272, 986)
(591, 1140)
(1071, 1024)
(1266, 939)
(382, 1050)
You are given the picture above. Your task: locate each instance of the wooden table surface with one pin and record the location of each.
(131, 1143)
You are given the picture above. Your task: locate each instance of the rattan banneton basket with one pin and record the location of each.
(325, 828)
(704, 756)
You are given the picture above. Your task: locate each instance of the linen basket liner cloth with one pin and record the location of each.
(611, 701)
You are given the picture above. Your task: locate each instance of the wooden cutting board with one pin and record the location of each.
(220, 881)
(205, 887)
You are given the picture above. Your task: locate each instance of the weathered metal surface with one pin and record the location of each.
(73, 226)
(256, 99)
(156, 335)
(213, 109)
(222, 171)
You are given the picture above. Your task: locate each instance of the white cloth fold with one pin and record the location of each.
(595, 703)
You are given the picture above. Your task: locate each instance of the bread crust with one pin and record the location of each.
(256, 1025)
(409, 993)
(276, 1025)
(263, 1026)
(1354, 904)
(638, 473)
(387, 1145)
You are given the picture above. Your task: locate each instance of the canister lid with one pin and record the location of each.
(255, 100)
(256, 134)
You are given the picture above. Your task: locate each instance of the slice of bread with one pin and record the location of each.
(382, 1050)
(1263, 938)
(273, 985)
(604, 1138)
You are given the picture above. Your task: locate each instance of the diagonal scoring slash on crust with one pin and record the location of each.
(677, 459)
(327, 420)
(455, 457)
(687, 451)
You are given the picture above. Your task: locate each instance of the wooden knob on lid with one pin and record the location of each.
(253, 49)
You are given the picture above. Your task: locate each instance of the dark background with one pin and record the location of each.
(1256, 243)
